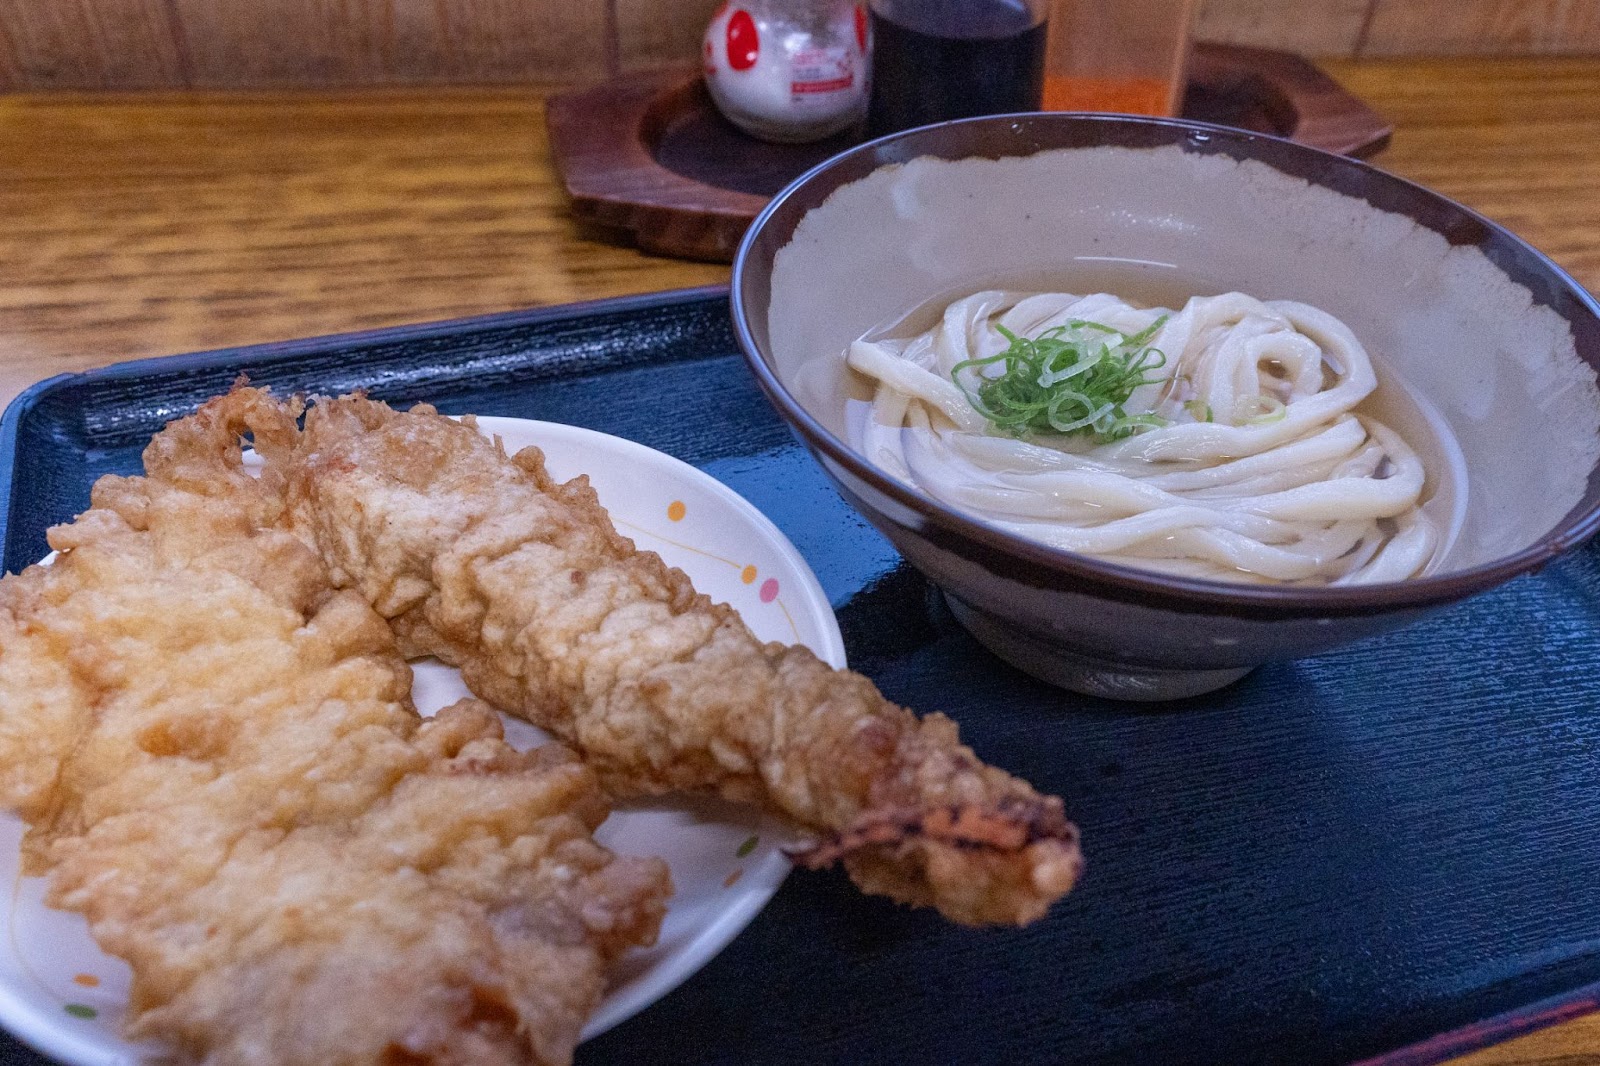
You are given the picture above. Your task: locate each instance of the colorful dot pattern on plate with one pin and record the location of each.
(726, 861)
(677, 511)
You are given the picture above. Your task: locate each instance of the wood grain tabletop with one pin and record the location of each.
(148, 225)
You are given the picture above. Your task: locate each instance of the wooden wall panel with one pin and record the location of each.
(655, 33)
(293, 43)
(88, 44)
(652, 34)
(123, 44)
(1484, 27)
(1316, 28)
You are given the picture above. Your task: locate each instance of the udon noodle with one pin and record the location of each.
(1239, 454)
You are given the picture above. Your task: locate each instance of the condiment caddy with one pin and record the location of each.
(651, 157)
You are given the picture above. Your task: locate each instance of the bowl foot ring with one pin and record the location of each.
(1087, 674)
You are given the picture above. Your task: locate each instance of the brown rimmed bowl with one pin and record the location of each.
(1493, 338)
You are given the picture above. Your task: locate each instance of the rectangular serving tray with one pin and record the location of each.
(1333, 859)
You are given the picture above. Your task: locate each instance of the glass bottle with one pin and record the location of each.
(934, 60)
(1128, 57)
(788, 70)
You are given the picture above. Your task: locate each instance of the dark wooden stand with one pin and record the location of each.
(650, 155)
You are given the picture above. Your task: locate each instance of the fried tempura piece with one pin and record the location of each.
(524, 584)
(223, 771)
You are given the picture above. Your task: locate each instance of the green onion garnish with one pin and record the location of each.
(1071, 379)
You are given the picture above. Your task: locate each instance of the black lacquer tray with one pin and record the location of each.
(1330, 860)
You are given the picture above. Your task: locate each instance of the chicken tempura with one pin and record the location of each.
(223, 771)
(484, 561)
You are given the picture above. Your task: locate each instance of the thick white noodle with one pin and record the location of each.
(1320, 495)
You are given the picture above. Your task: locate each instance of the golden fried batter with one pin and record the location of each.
(525, 585)
(223, 771)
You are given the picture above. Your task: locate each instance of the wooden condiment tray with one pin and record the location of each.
(650, 155)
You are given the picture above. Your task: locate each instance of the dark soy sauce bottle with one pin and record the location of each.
(934, 60)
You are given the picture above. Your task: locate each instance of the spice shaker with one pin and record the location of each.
(934, 60)
(788, 70)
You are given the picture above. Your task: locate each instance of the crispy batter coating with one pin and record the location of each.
(223, 771)
(484, 561)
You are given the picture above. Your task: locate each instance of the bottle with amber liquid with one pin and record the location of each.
(1129, 57)
(935, 60)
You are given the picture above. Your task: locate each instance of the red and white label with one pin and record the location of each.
(822, 70)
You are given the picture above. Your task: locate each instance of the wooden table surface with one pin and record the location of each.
(147, 225)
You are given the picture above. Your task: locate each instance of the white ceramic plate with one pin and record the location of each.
(61, 994)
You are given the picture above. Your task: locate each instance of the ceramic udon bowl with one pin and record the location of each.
(1496, 342)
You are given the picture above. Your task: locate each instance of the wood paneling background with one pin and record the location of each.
(1484, 27)
(136, 44)
(1311, 27)
(261, 43)
(89, 44)
(656, 33)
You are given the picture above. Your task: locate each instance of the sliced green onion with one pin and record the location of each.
(1069, 379)
(1128, 425)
